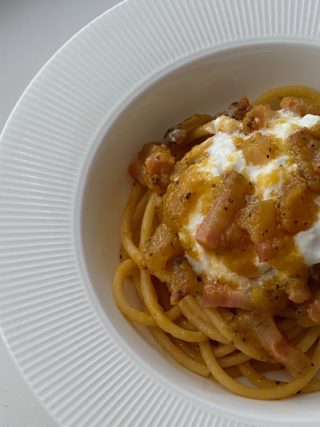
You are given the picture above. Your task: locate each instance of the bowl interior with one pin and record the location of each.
(207, 84)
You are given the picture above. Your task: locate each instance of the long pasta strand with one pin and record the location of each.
(203, 340)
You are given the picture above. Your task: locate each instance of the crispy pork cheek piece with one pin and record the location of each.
(237, 110)
(257, 118)
(306, 149)
(228, 202)
(258, 149)
(153, 167)
(296, 207)
(223, 295)
(178, 135)
(245, 296)
(234, 237)
(163, 245)
(183, 279)
(259, 219)
(296, 362)
(179, 197)
(300, 106)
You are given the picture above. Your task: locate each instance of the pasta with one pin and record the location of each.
(214, 329)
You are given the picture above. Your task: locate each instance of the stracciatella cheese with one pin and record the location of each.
(224, 154)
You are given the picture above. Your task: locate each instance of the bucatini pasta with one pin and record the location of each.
(221, 242)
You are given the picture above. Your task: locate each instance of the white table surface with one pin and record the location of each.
(30, 32)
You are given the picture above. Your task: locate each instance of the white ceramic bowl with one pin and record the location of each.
(207, 83)
(63, 183)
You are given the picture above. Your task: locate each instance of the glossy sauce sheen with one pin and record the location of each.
(197, 178)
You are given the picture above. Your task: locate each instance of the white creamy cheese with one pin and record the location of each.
(286, 123)
(309, 121)
(255, 171)
(279, 164)
(223, 155)
(308, 242)
(205, 263)
(280, 129)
